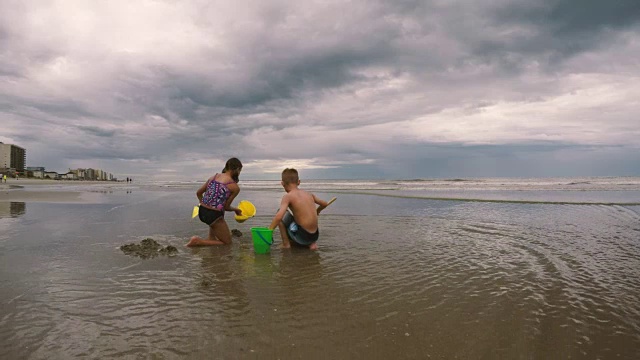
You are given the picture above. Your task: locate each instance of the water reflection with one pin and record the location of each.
(515, 280)
(301, 274)
(12, 209)
(222, 288)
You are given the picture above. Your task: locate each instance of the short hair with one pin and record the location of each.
(290, 176)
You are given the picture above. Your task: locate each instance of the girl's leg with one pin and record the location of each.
(198, 241)
(212, 239)
(220, 231)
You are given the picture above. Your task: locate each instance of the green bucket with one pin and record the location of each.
(262, 239)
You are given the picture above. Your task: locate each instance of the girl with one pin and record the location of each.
(215, 197)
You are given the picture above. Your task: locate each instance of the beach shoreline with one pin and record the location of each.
(568, 191)
(31, 181)
(34, 190)
(41, 196)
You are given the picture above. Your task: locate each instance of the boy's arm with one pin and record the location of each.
(323, 204)
(284, 204)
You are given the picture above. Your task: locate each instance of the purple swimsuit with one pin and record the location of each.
(216, 194)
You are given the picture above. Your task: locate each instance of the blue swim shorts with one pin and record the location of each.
(296, 233)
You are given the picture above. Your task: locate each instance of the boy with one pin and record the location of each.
(301, 227)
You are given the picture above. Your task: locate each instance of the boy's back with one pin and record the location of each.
(301, 223)
(303, 207)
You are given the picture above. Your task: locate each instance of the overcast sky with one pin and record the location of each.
(360, 89)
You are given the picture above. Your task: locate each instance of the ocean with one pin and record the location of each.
(417, 269)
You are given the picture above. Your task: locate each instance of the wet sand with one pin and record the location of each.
(393, 278)
(51, 191)
(48, 182)
(40, 196)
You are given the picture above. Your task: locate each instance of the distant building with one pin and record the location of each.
(38, 174)
(90, 174)
(68, 176)
(50, 175)
(35, 172)
(80, 173)
(12, 157)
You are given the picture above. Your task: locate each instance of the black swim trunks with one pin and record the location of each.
(209, 216)
(296, 233)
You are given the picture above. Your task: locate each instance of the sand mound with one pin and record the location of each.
(148, 248)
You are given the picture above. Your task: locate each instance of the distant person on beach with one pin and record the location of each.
(300, 226)
(215, 197)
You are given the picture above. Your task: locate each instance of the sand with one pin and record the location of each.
(40, 196)
(49, 182)
(393, 278)
(35, 190)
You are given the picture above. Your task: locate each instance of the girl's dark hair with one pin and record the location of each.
(233, 164)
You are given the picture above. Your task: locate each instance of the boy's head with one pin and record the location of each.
(290, 177)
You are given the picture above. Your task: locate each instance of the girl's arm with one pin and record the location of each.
(235, 190)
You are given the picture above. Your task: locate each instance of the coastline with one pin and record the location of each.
(40, 196)
(29, 181)
(29, 190)
(558, 191)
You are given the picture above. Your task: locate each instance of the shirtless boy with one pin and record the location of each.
(300, 226)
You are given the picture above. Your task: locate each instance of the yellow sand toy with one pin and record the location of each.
(248, 211)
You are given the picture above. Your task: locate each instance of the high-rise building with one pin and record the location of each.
(12, 157)
(90, 174)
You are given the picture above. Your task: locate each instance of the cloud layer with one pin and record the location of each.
(169, 89)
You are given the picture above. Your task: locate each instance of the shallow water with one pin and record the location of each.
(394, 278)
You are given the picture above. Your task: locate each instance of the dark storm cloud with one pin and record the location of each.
(96, 131)
(563, 27)
(339, 88)
(573, 17)
(274, 70)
